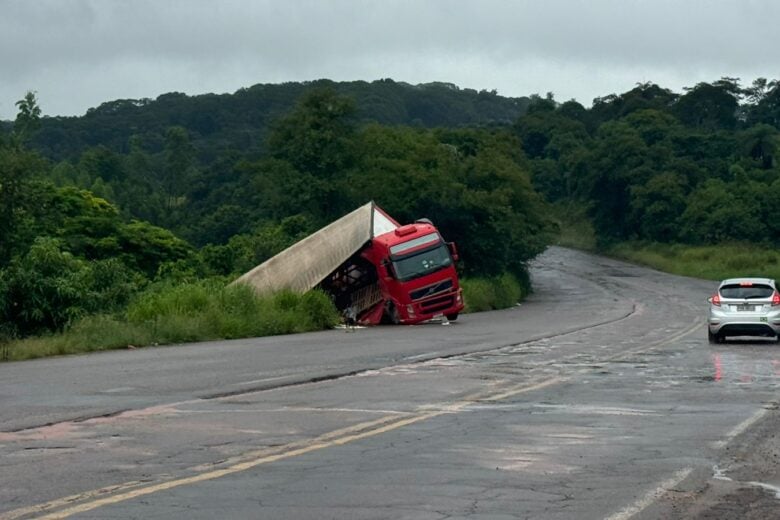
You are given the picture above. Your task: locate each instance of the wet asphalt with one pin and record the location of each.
(598, 397)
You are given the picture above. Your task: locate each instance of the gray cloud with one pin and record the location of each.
(80, 53)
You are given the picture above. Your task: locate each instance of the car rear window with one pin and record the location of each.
(746, 291)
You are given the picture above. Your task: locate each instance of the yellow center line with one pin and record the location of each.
(130, 490)
(127, 491)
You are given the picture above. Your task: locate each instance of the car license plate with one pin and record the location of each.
(744, 308)
(763, 319)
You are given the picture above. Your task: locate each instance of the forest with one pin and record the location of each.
(111, 213)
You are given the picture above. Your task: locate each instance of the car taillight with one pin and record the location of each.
(775, 299)
(716, 300)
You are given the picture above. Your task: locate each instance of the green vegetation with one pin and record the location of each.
(697, 168)
(130, 240)
(242, 122)
(716, 262)
(140, 202)
(688, 183)
(498, 292)
(575, 229)
(178, 313)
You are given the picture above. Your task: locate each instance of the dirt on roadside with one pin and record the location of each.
(745, 483)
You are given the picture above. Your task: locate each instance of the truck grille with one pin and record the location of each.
(437, 304)
(436, 288)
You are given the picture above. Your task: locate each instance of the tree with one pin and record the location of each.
(48, 288)
(178, 164)
(717, 212)
(18, 168)
(710, 106)
(656, 206)
(760, 142)
(44, 289)
(620, 158)
(28, 118)
(145, 247)
(316, 136)
(766, 108)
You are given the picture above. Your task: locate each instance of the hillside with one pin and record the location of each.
(240, 121)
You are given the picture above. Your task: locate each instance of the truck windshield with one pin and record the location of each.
(422, 262)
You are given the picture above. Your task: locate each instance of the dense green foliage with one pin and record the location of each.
(699, 167)
(715, 262)
(188, 312)
(496, 292)
(218, 123)
(141, 205)
(140, 227)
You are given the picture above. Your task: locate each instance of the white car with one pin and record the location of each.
(744, 307)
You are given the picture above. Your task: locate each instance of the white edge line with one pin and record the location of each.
(740, 428)
(651, 496)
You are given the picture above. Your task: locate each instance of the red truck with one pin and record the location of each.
(374, 269)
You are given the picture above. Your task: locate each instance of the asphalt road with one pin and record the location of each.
(599, 397)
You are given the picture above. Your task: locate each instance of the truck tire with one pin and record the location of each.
(392, 314)
(453, 316)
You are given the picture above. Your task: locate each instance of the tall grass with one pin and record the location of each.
(210, 310)
(574, 225)
(199, 311)
(500, 292)
(715, 262)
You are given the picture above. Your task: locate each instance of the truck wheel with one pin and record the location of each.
(392, 314)
(453, 316)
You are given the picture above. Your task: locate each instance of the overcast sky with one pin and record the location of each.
(77, 54)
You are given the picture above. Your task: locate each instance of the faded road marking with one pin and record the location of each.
(740, 428)
(117, 390)
(256, 458)
(335, 438)
(596, 410)
(651, 496)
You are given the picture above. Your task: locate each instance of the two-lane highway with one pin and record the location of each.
(597, 398)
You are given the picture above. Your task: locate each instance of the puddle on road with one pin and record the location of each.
(596, 410)
(738, 369)
(719, 474)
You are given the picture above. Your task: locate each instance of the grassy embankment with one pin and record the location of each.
(715, 262)
(712, 262)
(499, 292)
(200, 311)
(209, 310)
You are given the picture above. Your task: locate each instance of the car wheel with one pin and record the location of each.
(713, 338)
(454, 316)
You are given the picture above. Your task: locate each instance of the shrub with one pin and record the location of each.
(499, 292)
(46, 289)
(198, 311)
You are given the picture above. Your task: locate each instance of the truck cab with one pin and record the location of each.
(416, 273)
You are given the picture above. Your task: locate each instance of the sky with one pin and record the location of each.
(77, 54)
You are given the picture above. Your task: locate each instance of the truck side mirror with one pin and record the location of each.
(453, 251)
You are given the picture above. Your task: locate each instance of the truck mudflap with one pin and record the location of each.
(373, 316)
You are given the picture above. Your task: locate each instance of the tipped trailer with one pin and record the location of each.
(375, 269)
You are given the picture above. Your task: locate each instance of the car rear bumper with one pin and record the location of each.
(731, 324)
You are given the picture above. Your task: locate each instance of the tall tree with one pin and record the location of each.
(178, 166)
(316, 136)
(18, 166)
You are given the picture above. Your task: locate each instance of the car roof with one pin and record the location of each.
(737, 281)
